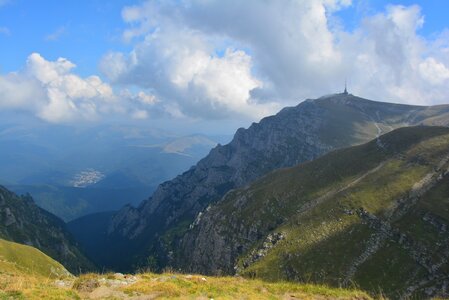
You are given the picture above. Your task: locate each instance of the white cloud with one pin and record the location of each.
(69, 96)
(234, 59)
(433, 71)
(247, 58)
(17, 92)
(181, 68)
(51, 91)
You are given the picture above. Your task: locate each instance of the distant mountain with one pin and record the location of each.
(70, 203)
(73, 172)
(375, 216)
(22, 221)
(294, 135)
(186, 145)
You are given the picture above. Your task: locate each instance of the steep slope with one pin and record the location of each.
(294, 135)
(374, 215)
(21, 259)
(91, 233)
(23, 222)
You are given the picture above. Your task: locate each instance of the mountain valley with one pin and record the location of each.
(339, 190)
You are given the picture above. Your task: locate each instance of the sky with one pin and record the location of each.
(211, 65)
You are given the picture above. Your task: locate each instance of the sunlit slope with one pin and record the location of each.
(21, 259)
(373, 215)
(153, 230)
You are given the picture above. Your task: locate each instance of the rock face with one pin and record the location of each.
(294, 135)
(23, 222)
(374, 215)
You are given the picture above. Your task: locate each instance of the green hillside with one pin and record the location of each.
(27, 273)
(21, 259)
(148, 235)
(372, 216)
(22, 221)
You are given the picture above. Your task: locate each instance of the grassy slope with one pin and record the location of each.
(167, 286)
(17, 258)
(323, 241)
(27, 273)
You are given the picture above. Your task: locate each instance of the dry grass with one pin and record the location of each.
(164, 286)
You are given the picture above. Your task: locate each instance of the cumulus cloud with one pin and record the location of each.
(51, 91)
(226, 58)
(182, 68)
(234, 59)
(389, 60)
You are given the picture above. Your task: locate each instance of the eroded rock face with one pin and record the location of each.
(8, 217)
(279, 141)
(294, 135)
(241, 229)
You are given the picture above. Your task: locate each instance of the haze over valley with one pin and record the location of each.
(224, 149)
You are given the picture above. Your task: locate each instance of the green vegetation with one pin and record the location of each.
(372, 216)
(167, 286)
(22, 221)
(27, 273)
(175, 286)
(22, 259)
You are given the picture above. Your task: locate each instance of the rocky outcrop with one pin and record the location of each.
(294, 135)
(273, 232)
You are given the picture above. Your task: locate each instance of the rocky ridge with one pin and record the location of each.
(294, 135)
(382, 220)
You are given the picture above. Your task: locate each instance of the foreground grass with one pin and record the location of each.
(162, 286)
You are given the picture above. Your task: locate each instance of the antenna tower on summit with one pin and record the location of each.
(346, 88)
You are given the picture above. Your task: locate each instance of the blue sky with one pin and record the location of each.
(434, 11)
(84, 30)
(215, 61)
(81, 30)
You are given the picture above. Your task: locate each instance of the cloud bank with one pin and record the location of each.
(283, 51)
(233, 59)
(51, 91)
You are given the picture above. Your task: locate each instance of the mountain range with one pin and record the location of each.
(338, 190)
(149, 234)
(375, 215)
